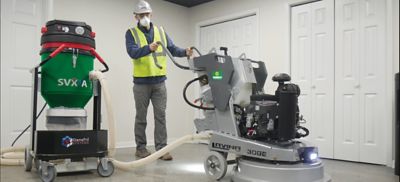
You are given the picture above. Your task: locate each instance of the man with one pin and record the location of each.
(149, 75)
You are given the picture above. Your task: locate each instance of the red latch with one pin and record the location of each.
(44, 30)
(92, 34)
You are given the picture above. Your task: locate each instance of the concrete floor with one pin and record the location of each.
(187, 166)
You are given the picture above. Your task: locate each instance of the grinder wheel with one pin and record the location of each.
(215, 165)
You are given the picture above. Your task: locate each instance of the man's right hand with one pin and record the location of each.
(153, 46)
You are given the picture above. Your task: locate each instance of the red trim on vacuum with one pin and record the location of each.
(58, 50)
(63, 45)
(68, 45)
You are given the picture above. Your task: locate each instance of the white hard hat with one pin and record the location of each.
(142, 7)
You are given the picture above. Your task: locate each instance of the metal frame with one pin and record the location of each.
(96, 115)
(88, 158)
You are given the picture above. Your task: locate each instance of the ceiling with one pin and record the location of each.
(189, 3)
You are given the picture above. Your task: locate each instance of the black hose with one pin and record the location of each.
(242, 112)
(300, 135)
(173, 59)
(240, 108)
(44, 62)
(186, 99)
(106, 66)
(16, 139)
(198, 52)
(180, 66)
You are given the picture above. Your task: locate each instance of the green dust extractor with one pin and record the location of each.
(67, 57)
(65, 79)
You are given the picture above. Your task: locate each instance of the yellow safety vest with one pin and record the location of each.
(145, 66)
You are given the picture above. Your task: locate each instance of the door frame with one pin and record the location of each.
(389, 77)
(390, 94)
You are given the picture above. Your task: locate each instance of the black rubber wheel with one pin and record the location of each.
(103, 172)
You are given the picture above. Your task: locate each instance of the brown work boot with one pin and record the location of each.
(166, 157)
(142, 153)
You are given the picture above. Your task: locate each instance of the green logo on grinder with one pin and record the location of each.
(217, 75)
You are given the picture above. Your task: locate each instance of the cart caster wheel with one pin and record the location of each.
(49, 175)
(105, 168)
(28, 159)
(36, 163)
(215, 165)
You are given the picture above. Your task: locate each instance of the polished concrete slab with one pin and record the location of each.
(187, 166)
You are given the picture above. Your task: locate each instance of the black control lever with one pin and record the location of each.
(225, 49)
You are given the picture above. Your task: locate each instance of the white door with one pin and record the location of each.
(347, 100)
(21, 21)
(312, 62)
(360, 80)
(301, 60)
(372, 81)
(239, 36)
(322, 75)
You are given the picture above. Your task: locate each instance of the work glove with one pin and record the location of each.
(153, 46)
(189, 52)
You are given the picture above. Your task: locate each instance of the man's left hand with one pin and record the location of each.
(189, 52)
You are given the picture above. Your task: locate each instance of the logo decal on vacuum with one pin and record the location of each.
(72, 82)
(67, 141)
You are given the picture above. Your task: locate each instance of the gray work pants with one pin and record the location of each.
(157, 94)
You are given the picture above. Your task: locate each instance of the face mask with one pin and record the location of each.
(145, 21)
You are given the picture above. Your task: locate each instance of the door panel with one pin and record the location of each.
(239, 36)
(301, 61)
(20, 35)
(311, 64)
(347, 102)
(360, 68)
(322, 62)
(372, 81)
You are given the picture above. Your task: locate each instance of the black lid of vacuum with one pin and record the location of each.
(70, 23)
(68, 31)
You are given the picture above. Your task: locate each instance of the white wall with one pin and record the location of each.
(274, 25)
(110, 20)
(274, 28)
(396, 35)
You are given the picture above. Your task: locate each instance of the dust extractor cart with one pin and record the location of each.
(62, 78)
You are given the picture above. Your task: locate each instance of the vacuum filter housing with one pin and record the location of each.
(66, 119)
